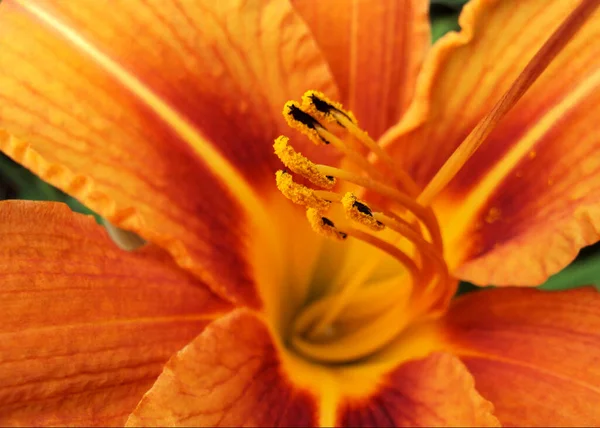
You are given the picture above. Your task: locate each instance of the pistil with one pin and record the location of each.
(538, 64)
(332, 329)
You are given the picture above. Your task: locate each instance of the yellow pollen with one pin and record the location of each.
(324, 226)
(300, 120)
(420, 257)
(300, 164)
(360, 212)
(298, 193)
(414, 239)
(323, 109)
(333, 328)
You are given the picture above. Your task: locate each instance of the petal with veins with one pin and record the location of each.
(435, 391)
(85, 327)
(229, 376)
(375, 51)
(527, 201)
(159, 116)
(233, 374)
(533, 354)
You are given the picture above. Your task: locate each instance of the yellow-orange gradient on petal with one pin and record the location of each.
(228, 376)
(232, 375)
(375, 51)
(527, 200)
(533, 354)
(350, 331)
(158, 115)
(85, 328)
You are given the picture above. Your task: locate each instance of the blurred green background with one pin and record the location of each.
(18, 183)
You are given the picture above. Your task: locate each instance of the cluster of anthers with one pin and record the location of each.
(416, 243)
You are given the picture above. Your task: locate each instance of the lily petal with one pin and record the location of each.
(230, 375)
(435, 391)
(85, 328)
(533, 354)
(160, 117)
(234, 374)
(375, 51)
(527, 201)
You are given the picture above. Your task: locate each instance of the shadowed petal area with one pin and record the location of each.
(528, 200)
(158, 115)
(230, 375)
(533, 354)
(85, 328)
(375, 51)
(435, 391)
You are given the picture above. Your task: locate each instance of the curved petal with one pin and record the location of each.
(533, 354)
(85, 328)
(160, 117)
(230, 375)
(528, 199)
(435, 391)
(375, 51)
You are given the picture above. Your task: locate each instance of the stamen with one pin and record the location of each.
(538, 64)
(356, 158)
(322, 108)
(303, 122)
(324, 226)
(421, 259)
(360, 212)
(300, 164)
(299, 118)
(298, 193)
(402, 200)
(363, 341)
(434, 275)
(319, 106)
(327, 310)
(434, 263)
(404, 213)
(407, 231)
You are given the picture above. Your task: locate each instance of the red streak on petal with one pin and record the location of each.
(553, 46)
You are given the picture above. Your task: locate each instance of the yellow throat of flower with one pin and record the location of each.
(375, 314)
(369, 316)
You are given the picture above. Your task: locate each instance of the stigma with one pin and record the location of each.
(374, 209)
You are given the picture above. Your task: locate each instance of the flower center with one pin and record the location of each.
(356, 320)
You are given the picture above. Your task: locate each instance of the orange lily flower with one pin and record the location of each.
(161, 117)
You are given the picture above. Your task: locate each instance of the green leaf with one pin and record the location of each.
(443, 24)
(450, 3)
(465, 287)
(580, 273)
(28, 186)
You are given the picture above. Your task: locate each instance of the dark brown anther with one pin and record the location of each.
(326, 108)
(327, 222)
(362, 208)
(305, 119)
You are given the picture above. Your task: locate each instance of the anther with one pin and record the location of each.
(324, 226)
(298, 193)
(300, 164)
(318, 105)
(360, 212)
(303, 122)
